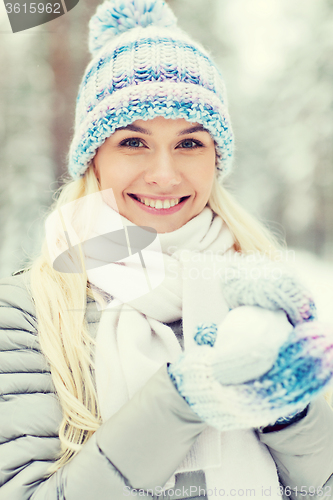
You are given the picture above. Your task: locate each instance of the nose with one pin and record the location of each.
(162, 170)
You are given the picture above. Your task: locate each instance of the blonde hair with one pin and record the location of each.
(60, 301)
(250, 234)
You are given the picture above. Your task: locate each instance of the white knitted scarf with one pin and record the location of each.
(134, 341)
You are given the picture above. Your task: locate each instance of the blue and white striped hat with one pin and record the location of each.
(144, 66)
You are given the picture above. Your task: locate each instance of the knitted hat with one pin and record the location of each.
(144, 66)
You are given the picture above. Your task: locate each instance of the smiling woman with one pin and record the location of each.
(161, 171)
(209, 379)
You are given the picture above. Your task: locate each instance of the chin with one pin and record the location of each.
(164, 228)
(168, 228)
(160, 226)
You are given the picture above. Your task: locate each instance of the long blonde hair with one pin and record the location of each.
(60, 301)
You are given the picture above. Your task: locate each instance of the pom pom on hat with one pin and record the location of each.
(114, 17)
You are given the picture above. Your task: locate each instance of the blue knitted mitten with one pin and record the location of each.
(303, 365)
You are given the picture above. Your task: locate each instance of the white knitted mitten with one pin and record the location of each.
(302, 370)
(253, 383)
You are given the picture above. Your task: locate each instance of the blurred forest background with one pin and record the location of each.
(276, 57)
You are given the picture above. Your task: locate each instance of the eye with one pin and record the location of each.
(133, 142)
(190, 144)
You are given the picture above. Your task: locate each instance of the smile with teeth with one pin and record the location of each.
(159, 204)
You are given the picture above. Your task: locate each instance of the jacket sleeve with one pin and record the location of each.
(139, 447)
(303, 451)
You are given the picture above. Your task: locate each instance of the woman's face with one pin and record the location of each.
(161, 171)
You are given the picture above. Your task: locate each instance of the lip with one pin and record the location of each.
(155, 197)
(160, 211)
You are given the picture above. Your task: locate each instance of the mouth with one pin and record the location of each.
(159, 206)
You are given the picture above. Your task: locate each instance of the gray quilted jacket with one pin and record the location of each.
(139, 447)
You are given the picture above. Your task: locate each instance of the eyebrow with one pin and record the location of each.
(135, 128)
(197, 128)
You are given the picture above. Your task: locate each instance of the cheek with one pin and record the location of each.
(108, 178)
(109, 173)
(204, 181)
